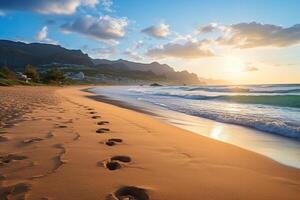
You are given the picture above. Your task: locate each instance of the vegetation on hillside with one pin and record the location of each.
(31, 73)
(55, 76)
(107, 70)
(31, 76)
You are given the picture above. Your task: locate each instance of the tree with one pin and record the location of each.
(7, 73)
(2, 75)
(31, 72)
(54, 75)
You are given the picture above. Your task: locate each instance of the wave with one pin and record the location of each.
(268, 125)
(273, 100)
(243, 90)
(219, 89)
(274, 113)
(277, 125)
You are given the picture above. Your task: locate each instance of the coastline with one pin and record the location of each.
(284, 150)
(166, 162)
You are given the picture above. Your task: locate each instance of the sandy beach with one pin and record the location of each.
(58, 144)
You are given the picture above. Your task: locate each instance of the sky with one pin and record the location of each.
(240, 41)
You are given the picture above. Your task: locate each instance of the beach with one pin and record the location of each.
(57, 143)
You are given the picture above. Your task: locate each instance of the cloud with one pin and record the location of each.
(132, 54)
(160, 31)
(42, 36)
(133, 51)
(188, 50)
(250, 68)
(64, 7)
(105, 28)
(107, 4)
(2, 13)
(208, 29)
(252, 35)
(138, 44)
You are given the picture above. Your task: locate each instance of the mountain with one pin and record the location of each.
(183, 77)
(16, 55)
(19, 54)
(154, 66)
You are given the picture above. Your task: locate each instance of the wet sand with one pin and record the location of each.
(58, 144)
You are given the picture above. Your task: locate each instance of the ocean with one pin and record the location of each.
(271, 109)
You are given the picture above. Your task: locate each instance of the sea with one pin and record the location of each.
(261, 118)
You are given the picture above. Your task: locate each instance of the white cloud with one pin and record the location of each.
(138, 44)
(42, 36)
(208, 29)
(190, 49)
(252, 35)
(133, 51)
(160, 31)
(218, 29)
(64, 7)
(106, 29)
(132, 54)
(107, 4)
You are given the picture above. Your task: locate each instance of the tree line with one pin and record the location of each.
(32, 75)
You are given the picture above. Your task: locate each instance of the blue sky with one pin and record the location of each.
(215, 39)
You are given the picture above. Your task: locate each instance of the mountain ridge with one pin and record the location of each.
(17, 54)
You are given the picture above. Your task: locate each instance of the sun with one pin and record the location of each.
(234, 66)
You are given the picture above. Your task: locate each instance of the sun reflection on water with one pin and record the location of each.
(216, 132)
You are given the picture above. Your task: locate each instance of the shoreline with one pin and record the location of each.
(70, 161)
(121, 104)
(217, 130)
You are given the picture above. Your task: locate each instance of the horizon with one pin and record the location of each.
(243, 43)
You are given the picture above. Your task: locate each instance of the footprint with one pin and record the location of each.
(90, 109)
(93, 112)
(103, 122)
(50, 134)
(11, 157)
(130, 193)
(112, 165)
(96, 117)
(62, 126)
(121, 158)
(114, 162)
(34, 139)
(113, 141)
(102, 130)
(15, 191)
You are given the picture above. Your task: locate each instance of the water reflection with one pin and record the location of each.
(216, 133)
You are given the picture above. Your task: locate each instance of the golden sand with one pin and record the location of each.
(66, 146)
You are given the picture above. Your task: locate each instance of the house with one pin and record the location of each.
(76, 76)
(23, 77)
